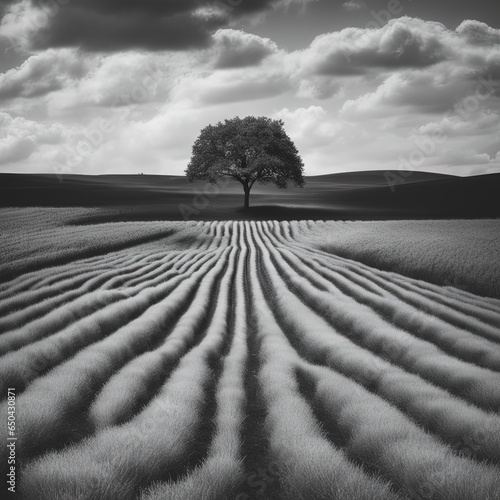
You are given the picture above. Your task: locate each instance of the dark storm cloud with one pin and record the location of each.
(108, 25)
(117, 7)
(167, 7)
(96, 31)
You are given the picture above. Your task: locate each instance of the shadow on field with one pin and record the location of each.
(347, 196)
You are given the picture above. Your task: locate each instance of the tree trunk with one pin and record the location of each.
(247, 197)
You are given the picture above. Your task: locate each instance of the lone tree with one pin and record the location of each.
(250, 150)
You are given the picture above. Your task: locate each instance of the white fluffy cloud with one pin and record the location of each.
(410, 92)
(43, 73)
(121, 80)
(20, 139)
(476, 32)
(465, 69)
(22, 21)
(237, 49)
(402, 43)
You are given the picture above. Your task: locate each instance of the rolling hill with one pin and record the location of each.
(373, 195)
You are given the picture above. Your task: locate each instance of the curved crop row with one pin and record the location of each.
(240, 360)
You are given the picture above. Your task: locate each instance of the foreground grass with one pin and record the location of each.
(148, 372)
(455, 253)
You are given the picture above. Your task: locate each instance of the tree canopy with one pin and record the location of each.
(249, 150)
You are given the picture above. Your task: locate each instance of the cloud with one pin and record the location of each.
(237, 49)
(467, 159)
(163, 142)
(43, 73)
(22, 21)
(108, 25)
(408, 90)
(354, 5)
(479, 123)
(402, 43)
(476, 32)
(354, 99)
(71, 82)
(466, 73)
(124, 79)
(215, 90)
(452, 89)
(422, 64)
(325, 139)
(20, 138)
(317, 87)
(232, 85)
(309, 127)
(14, 149)
(111, 25)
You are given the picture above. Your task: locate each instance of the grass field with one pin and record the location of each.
(457, 253)
(249, 360)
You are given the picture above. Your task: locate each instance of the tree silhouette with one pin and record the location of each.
(249, 150)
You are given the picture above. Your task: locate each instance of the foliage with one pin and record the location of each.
(249, 150)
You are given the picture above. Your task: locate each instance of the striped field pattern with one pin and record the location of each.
(237, 360)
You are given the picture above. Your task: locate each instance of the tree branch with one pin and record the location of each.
(234, 176)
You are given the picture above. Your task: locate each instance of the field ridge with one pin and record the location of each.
(240, 359)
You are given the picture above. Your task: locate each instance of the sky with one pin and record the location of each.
(125, 86)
